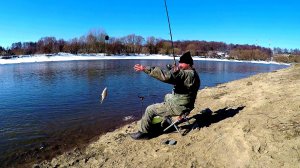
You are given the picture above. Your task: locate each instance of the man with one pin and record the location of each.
(186, 84)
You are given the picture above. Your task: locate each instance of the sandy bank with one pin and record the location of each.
(255, 123)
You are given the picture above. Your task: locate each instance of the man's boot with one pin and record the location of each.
(139, 135)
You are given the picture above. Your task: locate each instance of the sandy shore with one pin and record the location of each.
(254, 123)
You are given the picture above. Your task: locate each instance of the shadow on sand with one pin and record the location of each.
(207, 117)
(202, 119)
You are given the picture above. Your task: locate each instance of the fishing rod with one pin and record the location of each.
(170, 31)
(168, 66)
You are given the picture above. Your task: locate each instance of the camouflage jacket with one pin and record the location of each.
(186, 85)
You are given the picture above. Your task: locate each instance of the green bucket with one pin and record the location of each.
(157, 119)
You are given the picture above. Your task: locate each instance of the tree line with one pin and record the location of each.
(98, 42)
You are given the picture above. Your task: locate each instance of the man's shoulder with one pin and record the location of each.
(190, 71)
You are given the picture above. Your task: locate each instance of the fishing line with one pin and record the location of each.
(142, 104)
(170, 30)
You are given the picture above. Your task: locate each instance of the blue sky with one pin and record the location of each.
(269, 23)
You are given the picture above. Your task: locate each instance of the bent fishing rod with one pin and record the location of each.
(170, 32)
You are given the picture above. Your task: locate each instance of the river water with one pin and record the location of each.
(49, 107)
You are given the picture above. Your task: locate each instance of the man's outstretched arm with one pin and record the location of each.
(158, 73)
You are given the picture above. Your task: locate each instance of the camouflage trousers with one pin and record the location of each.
(159, 109)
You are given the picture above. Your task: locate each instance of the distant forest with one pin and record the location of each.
(100, 42)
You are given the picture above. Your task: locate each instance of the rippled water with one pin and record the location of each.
(51, 106)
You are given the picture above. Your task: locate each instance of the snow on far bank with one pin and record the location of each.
(101, 56)
(227, 60)
(72, 57)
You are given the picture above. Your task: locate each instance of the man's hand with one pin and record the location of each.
(138, 67)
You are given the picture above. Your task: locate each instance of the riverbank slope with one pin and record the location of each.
(254, 122)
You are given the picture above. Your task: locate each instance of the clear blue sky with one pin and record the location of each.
(273, 23)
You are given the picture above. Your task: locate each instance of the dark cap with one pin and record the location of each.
(186, 58)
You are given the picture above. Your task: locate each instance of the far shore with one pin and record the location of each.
(102, 56)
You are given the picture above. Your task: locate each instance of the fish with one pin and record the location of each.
(104, 94)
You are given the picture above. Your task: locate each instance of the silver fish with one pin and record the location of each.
(104, 94)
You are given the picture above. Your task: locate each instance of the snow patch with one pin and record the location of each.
(127, 118)
(101, 56)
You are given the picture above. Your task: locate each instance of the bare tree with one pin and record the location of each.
(165, 47)
(151, 44)
(17, 49)
(29, 48)
(139, 41)
(192, 47)
(115, 46)
(47, 45)
(72, 46)
(2, 51)
(96, 41)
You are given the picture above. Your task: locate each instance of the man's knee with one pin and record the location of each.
(151, 109)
